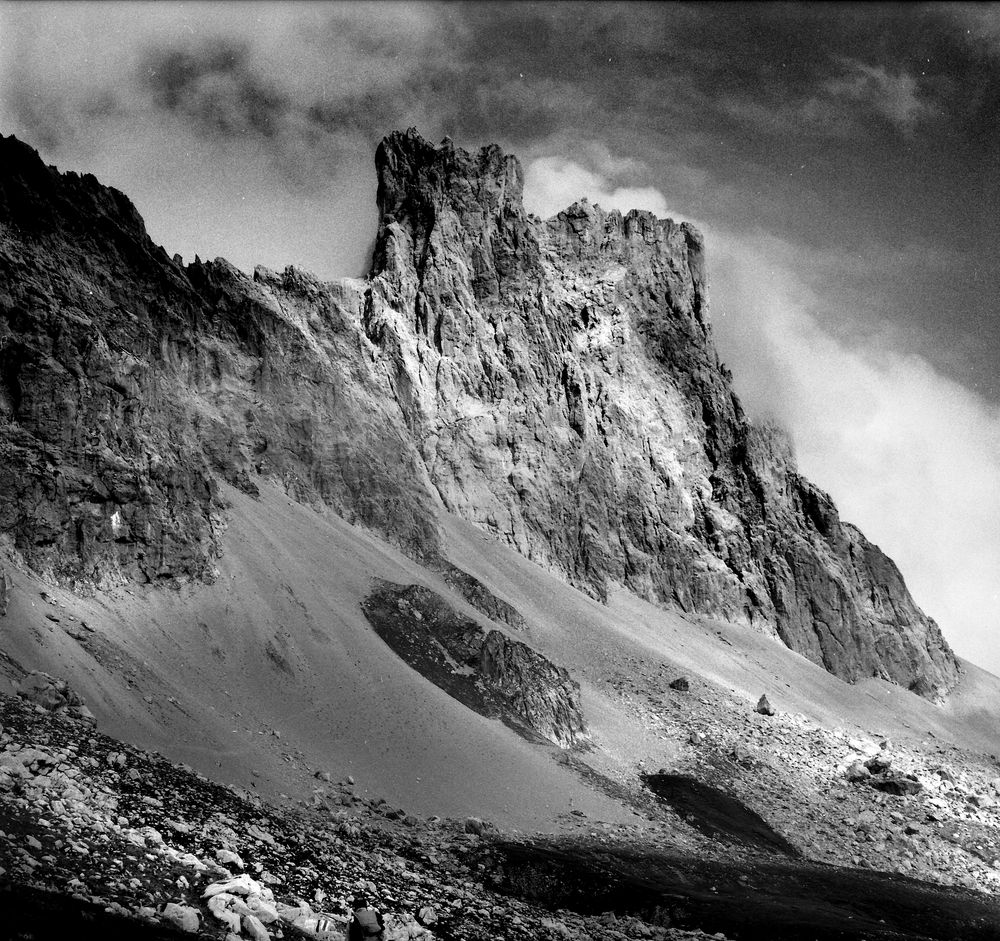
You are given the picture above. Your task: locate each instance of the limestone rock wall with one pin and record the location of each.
(554, 382)
(560, 380)
(129, 384)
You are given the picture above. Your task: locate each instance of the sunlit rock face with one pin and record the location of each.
(561, 383)
(553, 382)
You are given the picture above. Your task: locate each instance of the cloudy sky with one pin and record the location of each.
(843, 161)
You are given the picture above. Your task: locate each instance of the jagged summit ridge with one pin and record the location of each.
(554, 382)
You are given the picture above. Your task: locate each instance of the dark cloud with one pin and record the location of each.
(215, 87)
(52, 123)
(817, 122)
(220, 90)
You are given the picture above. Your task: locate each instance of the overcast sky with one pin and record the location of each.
(843, 161)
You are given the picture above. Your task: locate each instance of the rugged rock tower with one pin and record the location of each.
(554, 382)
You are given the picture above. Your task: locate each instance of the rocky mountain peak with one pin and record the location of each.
(443, 205)
(552, 382)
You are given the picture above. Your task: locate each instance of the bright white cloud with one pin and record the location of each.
(910, 456)
(551, 184)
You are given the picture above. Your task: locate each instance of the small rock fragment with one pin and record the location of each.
(474, 825)
(878, 764)
(183, 916)
(253, 928)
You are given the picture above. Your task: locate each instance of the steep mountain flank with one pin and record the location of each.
(553, 382)
(560, 380)
(128, 382)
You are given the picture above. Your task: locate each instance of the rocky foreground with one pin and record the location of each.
(916, 807)
(103, 836)
(125, 833)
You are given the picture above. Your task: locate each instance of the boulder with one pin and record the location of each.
(899, 784)
(265, 911)
(52, 694)
(488, 671)
(863, 745)
(857, 771)
(241, 885)
(878, 764)
(682, 684)
(181, 916)
(764, 707)
(219, 905)
(741, 754)
(228, 858)
(254, 929)
(474, 825)
(320, 926)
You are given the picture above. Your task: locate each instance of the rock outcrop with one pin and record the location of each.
(553, 382)
(486, 670)
(129, 385)
(478, 595)
(52, 694)
(562, 385)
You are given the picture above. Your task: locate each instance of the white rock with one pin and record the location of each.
(189, 859)
(322, 927)
(229, 858)
(290, 912)
(253, 928)
(218, 906)
(241, 907)
(183, 916)
(241, 885)
(265, 911)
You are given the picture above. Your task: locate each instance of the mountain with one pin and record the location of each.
(552, 382)
(457, 584)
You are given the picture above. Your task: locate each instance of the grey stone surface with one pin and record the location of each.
(553, 382)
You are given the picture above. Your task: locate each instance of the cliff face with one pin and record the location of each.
(560, 380)
(129, 384)
(553, 382)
